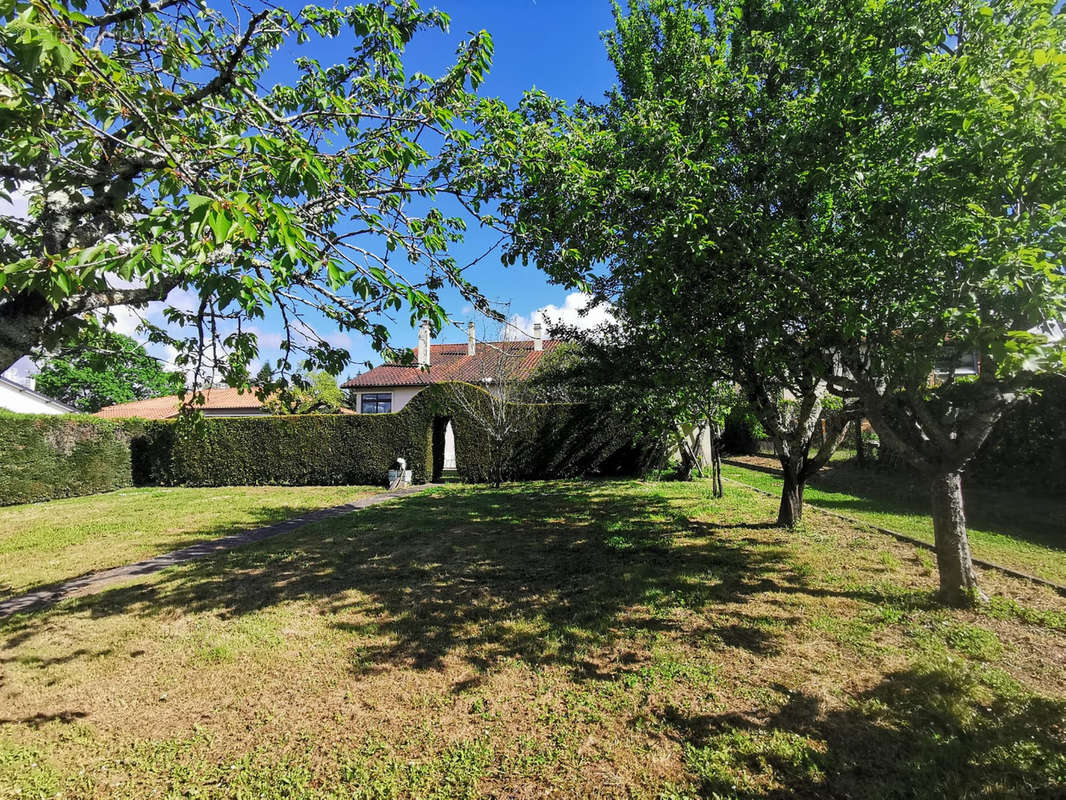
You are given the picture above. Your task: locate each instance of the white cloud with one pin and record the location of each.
(569, 314)
(18, 206)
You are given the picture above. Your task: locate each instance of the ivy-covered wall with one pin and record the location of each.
(45, 457)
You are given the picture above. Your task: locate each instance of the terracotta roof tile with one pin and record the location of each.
(165, 407)
(449, 362)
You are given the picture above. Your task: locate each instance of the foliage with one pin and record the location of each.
(825, 216)
(101, 368)
(304, 450)
(502, 413)
(318, 393)
(328, 449)
(158, 152)
(683, 184)
(620, 366)
(43, 457)
(742, 430)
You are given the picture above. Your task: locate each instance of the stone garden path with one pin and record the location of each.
(98, 581)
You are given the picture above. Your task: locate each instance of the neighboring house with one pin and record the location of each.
(390, 387)
(223, 402)
(24, 400)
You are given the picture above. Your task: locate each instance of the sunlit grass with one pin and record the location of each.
(41, 543)
(569, 639)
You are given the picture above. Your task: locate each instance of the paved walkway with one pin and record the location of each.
(98, 581)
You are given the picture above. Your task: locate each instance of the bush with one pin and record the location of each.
(559, 441)
(306, 450)
(45, 457)
(1027, 448)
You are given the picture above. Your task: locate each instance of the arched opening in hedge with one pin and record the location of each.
(443, 447)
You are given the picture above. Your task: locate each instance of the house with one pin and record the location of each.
(224, 402)
(390, 387)
(25, 400)
(221, 402)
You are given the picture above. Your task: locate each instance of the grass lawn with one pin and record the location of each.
(41, 543)
(571, 639)
(1024, 532)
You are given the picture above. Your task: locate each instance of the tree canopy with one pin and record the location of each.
(830, 196)
(101, 368)
(158, 154)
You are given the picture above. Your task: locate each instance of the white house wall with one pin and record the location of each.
(26, 403)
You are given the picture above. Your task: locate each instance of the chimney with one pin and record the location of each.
(423, 344)
(538, 337)
(471, 341)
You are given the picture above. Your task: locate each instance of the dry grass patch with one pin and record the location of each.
(567, 639)
(43, 543)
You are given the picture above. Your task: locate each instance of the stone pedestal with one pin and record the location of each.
(399, 478)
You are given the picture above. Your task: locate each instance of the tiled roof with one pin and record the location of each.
(223, 399)
(449, 362)
(215, 400)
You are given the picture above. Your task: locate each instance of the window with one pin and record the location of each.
(376, 403)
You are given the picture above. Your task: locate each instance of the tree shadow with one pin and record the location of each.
(283, 517)
(923, 732)
(534, 571)
(896, 490)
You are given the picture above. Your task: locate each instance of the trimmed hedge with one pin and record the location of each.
(45, 457)
(560, 441)
(306, 450)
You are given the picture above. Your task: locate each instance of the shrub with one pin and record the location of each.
(45, 457)
(304, 450)
(558, 440)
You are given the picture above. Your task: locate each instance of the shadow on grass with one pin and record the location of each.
(880, 490)
(256, 518)
(535, 572)
(923, 732)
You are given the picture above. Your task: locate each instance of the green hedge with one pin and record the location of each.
(305, 450)
(557, 441)
(44, 457)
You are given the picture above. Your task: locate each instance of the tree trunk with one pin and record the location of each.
(790, 514)
(958, 582)
(716, 466)
(860, 448)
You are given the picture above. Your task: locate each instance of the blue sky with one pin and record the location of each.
(553, 45)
